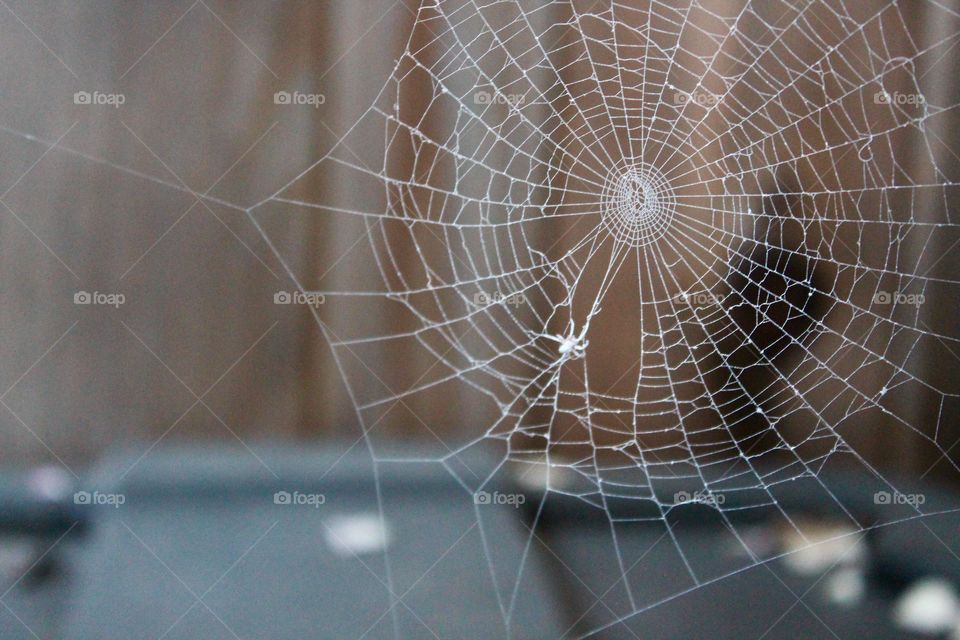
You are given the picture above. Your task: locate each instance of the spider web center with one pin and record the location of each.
(637, 204)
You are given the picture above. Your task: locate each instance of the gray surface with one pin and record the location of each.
(32, 608)
(266, 571)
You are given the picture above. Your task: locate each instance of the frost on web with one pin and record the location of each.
(655, 250)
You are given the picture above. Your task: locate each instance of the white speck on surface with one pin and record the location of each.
(822, 546)
(16, 555)
(50, 483)
(928, 606)
(541, 475)
(758, 541)
(846, 587)
(356, 534)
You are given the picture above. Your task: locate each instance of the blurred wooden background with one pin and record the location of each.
(199, 350)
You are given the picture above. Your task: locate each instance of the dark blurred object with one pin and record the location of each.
(38, 503)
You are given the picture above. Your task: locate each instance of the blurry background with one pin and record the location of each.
(198, 350)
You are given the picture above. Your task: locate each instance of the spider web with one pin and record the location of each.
(657, 257)
(658, 254)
